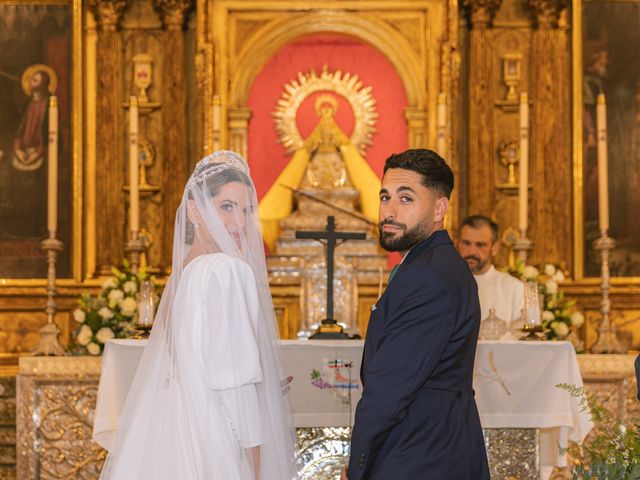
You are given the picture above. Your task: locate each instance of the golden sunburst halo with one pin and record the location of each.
(347, 85)
(31, 70)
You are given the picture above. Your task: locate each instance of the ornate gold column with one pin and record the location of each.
(174, 117)
(109, 161)
(450, 81)
(238, 125)
(481, 162)
(550, 140)
(417, 123)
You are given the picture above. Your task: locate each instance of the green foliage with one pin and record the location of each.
(614, 452)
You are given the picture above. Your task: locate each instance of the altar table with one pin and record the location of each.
(327, 400)
(514, 385)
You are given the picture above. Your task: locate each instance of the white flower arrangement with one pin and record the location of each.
(530, 273)
(94, 349)
(115, 296)
(130, 287)
(84, 335)
(110, 314)
(105, 334)
(558, 314)
(79, 315)
(577, 319)
(128, 307)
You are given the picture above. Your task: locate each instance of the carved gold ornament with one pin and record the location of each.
(509, 154)
(347, 85)
(142, 66)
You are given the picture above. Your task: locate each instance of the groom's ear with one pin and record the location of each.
(193, 213)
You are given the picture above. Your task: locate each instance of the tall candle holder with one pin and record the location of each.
(48, 343)
(135, 247)
(608, 341)
(522, 246)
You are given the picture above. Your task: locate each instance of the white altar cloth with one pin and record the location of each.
(514, 386)
(119, 363)
(319, 401)
(324, 385)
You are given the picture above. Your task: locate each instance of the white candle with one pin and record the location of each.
(523, 186)
(603, 173)
(442, 124)
(134, 192)
(52, 159)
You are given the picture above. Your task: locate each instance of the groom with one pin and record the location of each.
(417, 418)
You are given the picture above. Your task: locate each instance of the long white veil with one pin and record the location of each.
(207, 399)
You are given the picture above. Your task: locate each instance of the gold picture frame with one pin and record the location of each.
(74, 138)
(581, 273)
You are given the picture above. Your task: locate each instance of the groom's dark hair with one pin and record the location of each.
(435, 172)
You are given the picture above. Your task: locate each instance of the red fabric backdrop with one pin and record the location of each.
(267, 157)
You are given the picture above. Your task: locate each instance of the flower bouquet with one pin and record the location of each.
(558, 313)
(110, 314)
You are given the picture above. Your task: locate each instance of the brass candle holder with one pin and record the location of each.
(48, 343)
(608, 341)
(522, 246)
(135, 248)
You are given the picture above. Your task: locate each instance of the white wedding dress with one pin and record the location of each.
(207, 400)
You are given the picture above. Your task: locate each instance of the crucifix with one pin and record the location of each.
(329, 328)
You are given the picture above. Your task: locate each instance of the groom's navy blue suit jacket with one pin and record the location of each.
(417, 418)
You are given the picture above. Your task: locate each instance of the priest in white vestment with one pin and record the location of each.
(479, 244)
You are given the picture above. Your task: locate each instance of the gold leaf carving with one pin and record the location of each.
(411, 28)
(19, 331)
(482, 12)
(108, 13)
(55, 406)
(172, 11)
(547, 12)
(245, 29)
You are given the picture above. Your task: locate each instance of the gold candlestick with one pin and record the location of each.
(48, 343)
(136, 246)
(522, 246)
(607, 335)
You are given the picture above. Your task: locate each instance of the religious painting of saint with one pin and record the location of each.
(30, 142)
(35, 63)
(611, 65)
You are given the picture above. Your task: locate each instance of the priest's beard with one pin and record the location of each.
(479, 265)
(407, 240)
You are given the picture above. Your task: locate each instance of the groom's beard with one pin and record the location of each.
(404, 242)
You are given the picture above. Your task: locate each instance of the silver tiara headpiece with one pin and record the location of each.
(213, 164)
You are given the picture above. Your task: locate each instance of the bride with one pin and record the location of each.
(207, 399)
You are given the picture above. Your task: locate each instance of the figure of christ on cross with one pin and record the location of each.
(329, 328)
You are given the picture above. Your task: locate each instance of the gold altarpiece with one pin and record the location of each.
(205, 54)
(204, 57)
